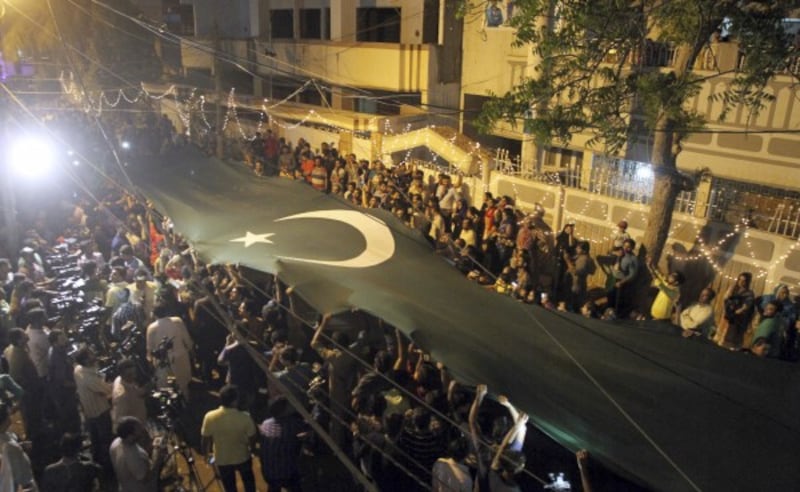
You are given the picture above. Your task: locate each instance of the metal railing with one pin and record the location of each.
(513, 166)
(785, 220)
(653, 54)
(621, 179)
(438, 167)
(505, 164)
(769, 209)
(792, 66)
(774, 210)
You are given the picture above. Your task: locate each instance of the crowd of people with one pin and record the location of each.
(406, 423)
(517, 253)
(106, 309)
(171, 324)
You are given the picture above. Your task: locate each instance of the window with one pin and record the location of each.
(310, 24)
(281, 89)
(384, 103)
(557, 157)
(187, 20)
(430, 22)
(282, 24)
(379, 25)
(178, 18)
(472, 106)
(313, 96)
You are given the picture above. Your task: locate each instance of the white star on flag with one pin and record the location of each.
(250, 239)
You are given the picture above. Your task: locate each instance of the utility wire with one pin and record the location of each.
(66, 168)
(96, 118)
(394, 384)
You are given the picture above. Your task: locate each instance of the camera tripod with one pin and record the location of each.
(179, 472)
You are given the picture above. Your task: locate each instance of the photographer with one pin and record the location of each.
(38, 345)
(136, 469)
(23, 371)
(169, 349)
(61, 381)
(70, 473)
(127, 396)
(94, 394)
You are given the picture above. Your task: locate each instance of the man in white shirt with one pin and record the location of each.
(169, 348)
(698, 319)
(94, 394)
(447, 195)
(14, 458)
(136, 470)
(38, 343)
(127, 397)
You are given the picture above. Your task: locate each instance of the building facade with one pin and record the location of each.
(396, 76)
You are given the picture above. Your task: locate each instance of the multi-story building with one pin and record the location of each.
(368, 56)
(393, 77)
(362, 53)
(764, 156)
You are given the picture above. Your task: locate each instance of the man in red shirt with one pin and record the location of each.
(319, 176)
(271, 149)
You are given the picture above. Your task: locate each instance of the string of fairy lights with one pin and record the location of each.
(706, 252)
(196, 103)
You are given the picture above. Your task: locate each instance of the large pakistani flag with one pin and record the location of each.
(671, 413)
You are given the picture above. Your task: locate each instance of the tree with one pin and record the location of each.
(107, 49)
(19, 39)
(602, 72)
(124, 49)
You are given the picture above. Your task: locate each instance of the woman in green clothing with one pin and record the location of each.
(771, 329)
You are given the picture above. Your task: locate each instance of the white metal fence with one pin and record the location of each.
(769, 209)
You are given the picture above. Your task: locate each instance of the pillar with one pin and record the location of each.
(343, 20)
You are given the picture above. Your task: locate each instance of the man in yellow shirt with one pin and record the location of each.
(231, 432)
(669, 292)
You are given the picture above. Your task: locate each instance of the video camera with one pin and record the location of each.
(129, 348)
(82, 318)
(161, 353)
(168, 403)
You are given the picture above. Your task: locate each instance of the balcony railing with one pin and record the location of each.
(653, 54)
(720, 56)
(769, 209)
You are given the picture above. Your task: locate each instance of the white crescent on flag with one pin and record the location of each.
(380, 243)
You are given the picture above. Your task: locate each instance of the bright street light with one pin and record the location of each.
(31, 157)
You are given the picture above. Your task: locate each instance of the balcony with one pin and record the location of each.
(716, 56)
